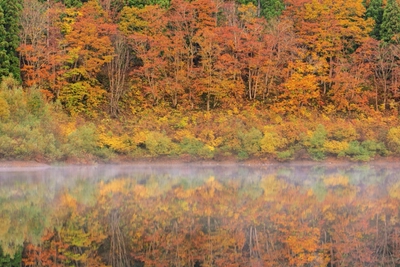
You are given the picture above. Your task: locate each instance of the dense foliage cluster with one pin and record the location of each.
(154, 76)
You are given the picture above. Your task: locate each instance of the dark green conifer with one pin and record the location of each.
(391, 21)
(9, 38)
(375, 11)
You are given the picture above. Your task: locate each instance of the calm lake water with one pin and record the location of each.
(201, 215)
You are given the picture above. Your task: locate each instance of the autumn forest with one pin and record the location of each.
(104, 80)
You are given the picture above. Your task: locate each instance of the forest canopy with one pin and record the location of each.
(131, 68)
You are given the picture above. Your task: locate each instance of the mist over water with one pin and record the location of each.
(293, 214)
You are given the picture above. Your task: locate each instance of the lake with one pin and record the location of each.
(201, 215)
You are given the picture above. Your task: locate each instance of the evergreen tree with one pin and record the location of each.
(390, 21)
(375, 11)
(271, 8)
(7, 261)
(266, 8)
(4, 63)
(9, 39)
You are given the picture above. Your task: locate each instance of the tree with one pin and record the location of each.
(9, 39)
(117, 72)
(390, 28)
(33, 43)
(330, 31)
(88, 49)
(375, 11)
(268, 9)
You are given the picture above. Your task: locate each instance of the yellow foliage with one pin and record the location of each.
(4, 109)
(181, 134)
(336, 180)
(272, 187)
(140, 137)
(342, 131)
(68, 128)
(68, 20)
(68, 201)
(140, 191)
(117, 143)
(394, 190)
(271, 141)
(393, 138)
(335, 147)
(116, 186)
(247, 12)
(207, 136)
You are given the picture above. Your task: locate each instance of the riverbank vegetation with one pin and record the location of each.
(277, 80)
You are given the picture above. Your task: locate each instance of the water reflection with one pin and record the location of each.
(200, 215)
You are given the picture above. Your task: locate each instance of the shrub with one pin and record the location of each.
(158, 144)
(357, 152)
(271, 141)
(196, 148)
(336, 147)
(315, 143)
(285, 155)
(393, 139)
(81, 142)
(35, 103)
(4, 109)
(250, 141)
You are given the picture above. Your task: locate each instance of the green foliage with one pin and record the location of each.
(159, 144)
(26, 130)
(285, 155)
(358, 152)
(251, 141)
(269, 9)
(315, 144)
(9, 38)
(391, 21)
(272, 8)
(364, 151)
(72, 3)
(375, 148)
(35, 103)
(82, 142)
(242, 155)
(143, 3)
(196, 148)
(8, 261)
(191, 146)
(375, 11)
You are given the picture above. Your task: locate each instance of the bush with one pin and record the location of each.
(251, 141)
(285, 155)
(357, 152)
(336, 147)
(196, 148)
(158, 144)
(393, 139)
(190, 146)
(35, 103)
(315, 143)
(4, 109)
(271, 141)
(82, 142)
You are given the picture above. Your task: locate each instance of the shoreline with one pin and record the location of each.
(18, 164)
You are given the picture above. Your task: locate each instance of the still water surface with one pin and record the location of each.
(202, 215)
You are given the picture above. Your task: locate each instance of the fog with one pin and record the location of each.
(215, 214)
